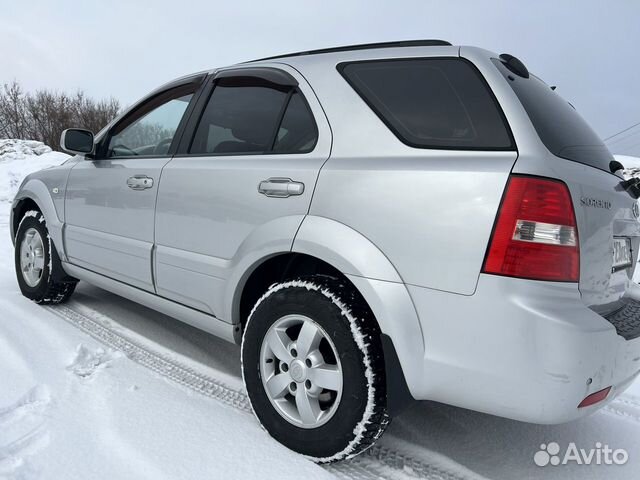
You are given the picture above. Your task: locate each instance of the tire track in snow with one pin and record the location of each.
(382, 462)
(626, 406)
(621, 410)
(34, 402)
(23, 432)
(376, 462)
(161, 364)
(628, 400)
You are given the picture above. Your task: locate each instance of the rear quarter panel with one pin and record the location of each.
(431, 216)
(429, 211)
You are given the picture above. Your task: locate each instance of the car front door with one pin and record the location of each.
(110, 198)
(241, 182)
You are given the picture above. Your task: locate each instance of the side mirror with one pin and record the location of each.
(77, 140)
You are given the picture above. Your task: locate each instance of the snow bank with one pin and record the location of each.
(631, 164)
(19, 158)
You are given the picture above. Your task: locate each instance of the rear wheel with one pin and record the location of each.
(38, 268)
(313, 368)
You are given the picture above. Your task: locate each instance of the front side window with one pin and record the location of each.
(432, 103)
(251, 117)
(151, 130)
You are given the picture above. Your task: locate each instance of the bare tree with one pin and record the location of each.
(13, 122)
(43, 115)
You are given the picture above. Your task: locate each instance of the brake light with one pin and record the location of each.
(535, 235)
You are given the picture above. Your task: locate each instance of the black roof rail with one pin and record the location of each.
(362, 46)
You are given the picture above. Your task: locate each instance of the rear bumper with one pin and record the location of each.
(521, 349)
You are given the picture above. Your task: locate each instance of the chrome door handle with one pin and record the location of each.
(139, 182)
(280, 187)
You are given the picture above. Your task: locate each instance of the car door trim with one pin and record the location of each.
(268, 74)
(193, 317)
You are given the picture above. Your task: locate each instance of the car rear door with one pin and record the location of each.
(110, 198)
(240, 183)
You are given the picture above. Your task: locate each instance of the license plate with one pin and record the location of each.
(621, 253)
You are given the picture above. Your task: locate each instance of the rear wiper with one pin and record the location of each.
(631, 185)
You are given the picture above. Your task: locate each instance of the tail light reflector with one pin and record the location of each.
(595, 398)
(535, 235)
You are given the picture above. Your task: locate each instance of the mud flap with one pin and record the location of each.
(398, 395)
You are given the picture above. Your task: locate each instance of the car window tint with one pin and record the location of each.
(298, 132)
(560, 127)
(152, 133)
(239, 119)
(432, 103)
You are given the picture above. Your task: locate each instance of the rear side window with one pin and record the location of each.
(254, 117)
(560, 127)
(432, 103)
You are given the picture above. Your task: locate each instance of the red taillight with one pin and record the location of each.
(535, 235)
(595, 398)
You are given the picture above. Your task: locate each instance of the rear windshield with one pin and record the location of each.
(432, 103)
(560, 127)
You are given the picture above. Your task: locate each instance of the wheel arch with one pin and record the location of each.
(18, 210)
(323, 246)
(34, 192)
(273, 269)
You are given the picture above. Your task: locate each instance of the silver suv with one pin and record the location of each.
(372, 223)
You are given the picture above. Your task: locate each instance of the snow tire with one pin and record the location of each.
(361, 415)
(54, 286)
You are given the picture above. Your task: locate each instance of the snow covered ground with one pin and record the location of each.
(102, 388)
(72, 408)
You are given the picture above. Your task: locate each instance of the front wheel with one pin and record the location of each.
(313, 367)
(37, 263)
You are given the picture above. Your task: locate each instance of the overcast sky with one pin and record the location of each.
(589, 48)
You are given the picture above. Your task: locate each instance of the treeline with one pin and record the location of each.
(43, 115)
